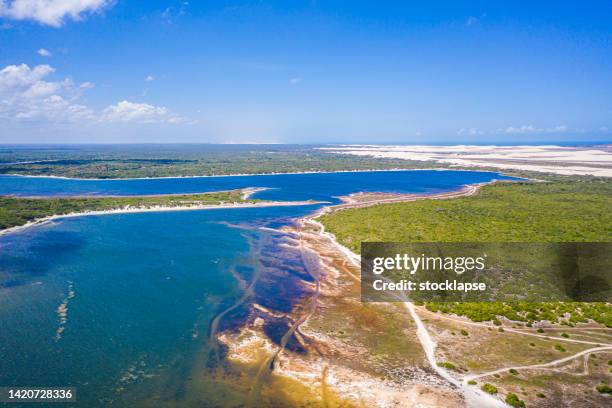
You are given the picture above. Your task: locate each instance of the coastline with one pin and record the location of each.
(156, 208)
(388, 198)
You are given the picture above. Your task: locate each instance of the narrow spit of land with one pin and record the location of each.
(17, 213)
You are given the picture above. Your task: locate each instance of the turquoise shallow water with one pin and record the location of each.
(120, 306)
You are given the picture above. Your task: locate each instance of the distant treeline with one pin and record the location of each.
(114, 161)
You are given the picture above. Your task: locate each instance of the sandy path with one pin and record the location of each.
(543, 365)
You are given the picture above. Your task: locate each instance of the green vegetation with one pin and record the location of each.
(527, 311)
(464, 332)
(514, 401)
(540, 395)
(604, 389)
(447, 365)
(472, 382)
(560, 348)
(568, 209)
(513, 371)
(505, 212)
(183, 160)
(490, 388)
(18, 211)
(565, 335)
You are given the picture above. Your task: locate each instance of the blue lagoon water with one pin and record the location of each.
(318, 186)
(120, 306)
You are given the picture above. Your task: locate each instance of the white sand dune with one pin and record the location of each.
(596, 161)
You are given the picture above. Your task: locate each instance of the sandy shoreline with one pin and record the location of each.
(353, 201)
(156, 208)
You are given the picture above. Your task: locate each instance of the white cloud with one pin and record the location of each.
(25, 94)
(524, 129)
(295, 81)
(22, 76)
(169, 14)
(471, 20)
(470, 131)
(149, 78)
(43, 52)
(533, 129)
(126, 111)
(51, 12)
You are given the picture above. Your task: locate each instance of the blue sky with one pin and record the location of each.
(305, 72)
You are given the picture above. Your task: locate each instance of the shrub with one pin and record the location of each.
(464, 332)
(540, 330)
(560, 348)
(532, 344)
(513, 371)
(565, 335)
(514, 401)
(604, 389)
(472, 382)
(490, 388)
(540, 395)
(447, 365)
